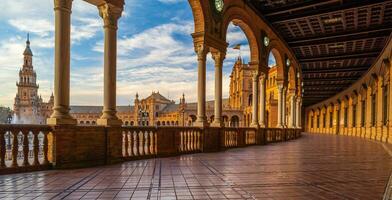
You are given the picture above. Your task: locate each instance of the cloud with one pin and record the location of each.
(171, 1)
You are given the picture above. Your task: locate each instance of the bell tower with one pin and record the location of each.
(27, 101)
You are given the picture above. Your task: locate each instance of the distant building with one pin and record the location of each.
(29, 108)
(155, 110)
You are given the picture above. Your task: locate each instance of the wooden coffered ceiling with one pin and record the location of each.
(335, 41)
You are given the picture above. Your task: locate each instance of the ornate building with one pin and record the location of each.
(155, 110)
(29, 108)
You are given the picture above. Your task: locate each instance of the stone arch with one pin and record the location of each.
(241, 19)
(234, 121)
(291, 78)
(200, 18)
(280, 63)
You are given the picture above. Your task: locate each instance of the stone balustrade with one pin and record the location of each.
(24, 147)
(35, 147)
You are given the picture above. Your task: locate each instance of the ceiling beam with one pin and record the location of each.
(377, 32)
(285, 17)
(295, 7)
(341, 57)
(334, 70)
(351, 78)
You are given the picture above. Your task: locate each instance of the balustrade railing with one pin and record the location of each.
(190, 139)
(30, 147)
(139, 141)
(24, 146)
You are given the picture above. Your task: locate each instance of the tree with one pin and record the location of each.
(4, 113)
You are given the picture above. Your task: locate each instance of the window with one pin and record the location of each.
(318, 121)
(385, 105)
(354, 115)
(373, 110)
(363, 113)
(345, 116)
(330, 119)
(312, 122)
(324, 120)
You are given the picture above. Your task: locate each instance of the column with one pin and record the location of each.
(110, 15)
(298, 113)
(255, 104)
(284, 118)
(201, 52)
(262, 100)
(388, 63)
(280, 99)
(60, 115)
(218, 58)
(350, 116)
(379, 109)
(292, 111)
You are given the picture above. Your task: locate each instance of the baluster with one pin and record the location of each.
(226, 138)
(15, 149)
(35, 148)
(2, 150)
(197, 140)
(191, 141)
(131, 143)
(156, 143)
(45, 148)
(152, 142)
(186, 140)
(148, 143)
(137, 143)
(143, 142)
(182, 141)
(125, 139)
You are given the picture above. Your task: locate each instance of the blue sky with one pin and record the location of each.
(155, 50)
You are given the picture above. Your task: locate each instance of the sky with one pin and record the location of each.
(155, 50)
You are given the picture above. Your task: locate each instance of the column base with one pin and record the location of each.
(254, 125)
(201, 124)
(217, 124)
(109, 122)
(61, 121)
(279, 126)
(261, 125)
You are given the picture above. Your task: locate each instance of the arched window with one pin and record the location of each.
(250, 98)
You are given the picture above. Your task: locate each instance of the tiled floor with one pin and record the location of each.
(312, 167)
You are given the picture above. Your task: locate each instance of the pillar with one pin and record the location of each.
(255, 95)
(350, 116)
(284, 118)
(60, 115)
(359, 115)
(218, 58)
(110, 15)
(298, 112)
(280, 106)
(201, 51)
(388, 62)
(262, 100)
(292, 110)
(379, 109)
(368, 129)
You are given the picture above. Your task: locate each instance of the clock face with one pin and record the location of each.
(219, 5)
(288, 62)
(266, 41)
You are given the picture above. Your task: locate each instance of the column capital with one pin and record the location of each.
(64, 5)
(201, 51)
(218, 56)
(263, 76)
(255, 75)
(110, 14)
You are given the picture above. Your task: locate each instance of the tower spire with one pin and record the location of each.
(28, 50)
